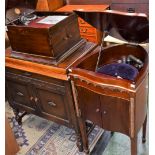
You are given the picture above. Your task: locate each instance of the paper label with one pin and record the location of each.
(52, 19)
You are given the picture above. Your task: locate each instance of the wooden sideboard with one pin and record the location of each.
(43, 90)
(86, 30)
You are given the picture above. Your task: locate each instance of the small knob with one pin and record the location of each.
(97, 110)
(52, 104)
(69, 36)
(27, 74)
(31, 98)
(104, 112)
(65, 38)
(35, 99)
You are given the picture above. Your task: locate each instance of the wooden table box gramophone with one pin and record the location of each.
(110, 84)
(45, 37)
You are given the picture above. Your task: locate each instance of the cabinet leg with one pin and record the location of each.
(84, 135)
(79, 143)
(79, 140)
(19, 117)
(134, 146)
(144, 131)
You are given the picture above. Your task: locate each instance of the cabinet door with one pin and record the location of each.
(20, 94)
(115, 114)
(90, 105)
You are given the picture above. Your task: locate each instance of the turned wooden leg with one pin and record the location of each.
(19, 117)
(84, 135)
(144, 130)
(16, 112)
(79, 143)
(134, 146)
(79, 139)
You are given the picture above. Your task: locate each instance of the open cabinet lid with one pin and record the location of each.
(131, 27)
(16, 8)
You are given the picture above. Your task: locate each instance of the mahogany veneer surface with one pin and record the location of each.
(56, 71)
(86, 30)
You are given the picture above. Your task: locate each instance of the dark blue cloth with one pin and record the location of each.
(122, 70)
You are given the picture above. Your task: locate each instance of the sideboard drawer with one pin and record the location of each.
(51, 103)
(20, 93)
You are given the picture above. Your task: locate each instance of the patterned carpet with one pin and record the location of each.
(38, 136)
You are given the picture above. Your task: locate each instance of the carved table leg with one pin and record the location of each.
(134, 146)
(144, 130)
(16, 112)
(79, 143)
(19, 117)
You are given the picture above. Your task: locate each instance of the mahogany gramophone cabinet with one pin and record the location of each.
(110, 84)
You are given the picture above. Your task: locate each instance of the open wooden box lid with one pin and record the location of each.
(131, 27)
(15, 8)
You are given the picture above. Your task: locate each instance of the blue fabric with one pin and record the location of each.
(122, 70)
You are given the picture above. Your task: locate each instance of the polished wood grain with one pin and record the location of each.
(55, 71)
(49, 5)
(70, 8)
(49, 71)
(55, 4)
(86, 30)
(42, 5)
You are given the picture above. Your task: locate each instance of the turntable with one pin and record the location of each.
(110, 85)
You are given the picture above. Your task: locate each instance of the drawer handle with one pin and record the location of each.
(69, 36)
(65, 38)
(52, 104)
(131, 10)
(104, 112)
(27, 74)
(97, 110)
(20, 94)
(31, 98)
(36, 99)
(84, 31)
